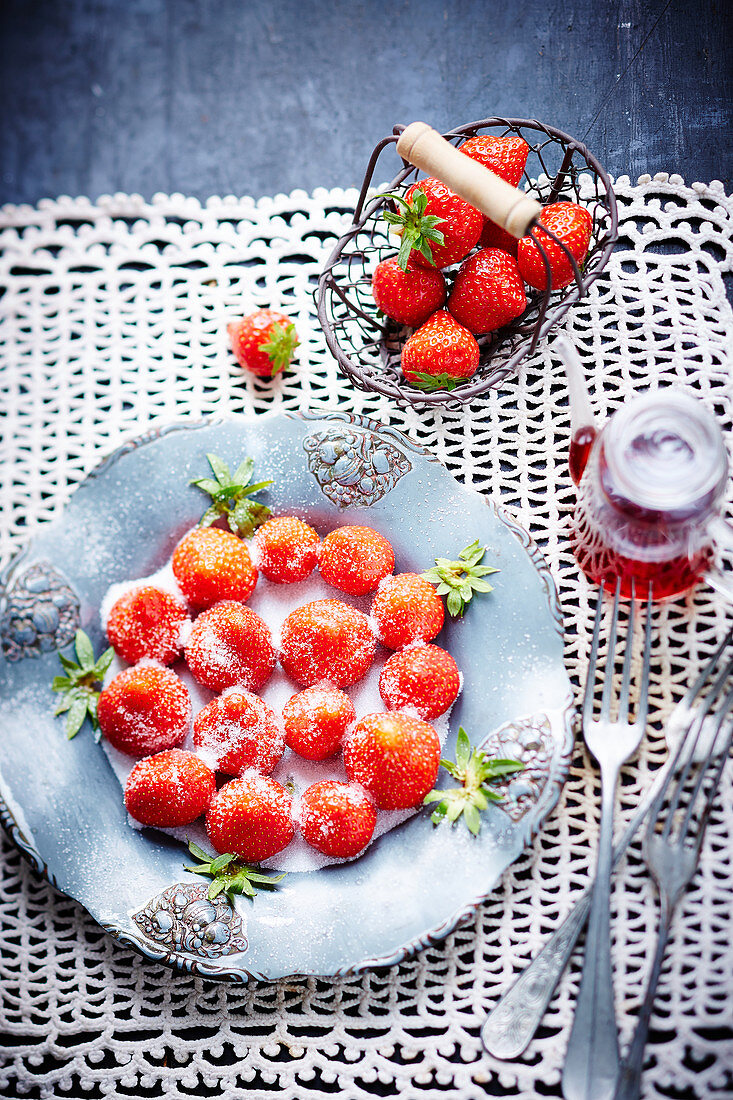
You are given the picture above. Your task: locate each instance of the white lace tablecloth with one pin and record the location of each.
(113, 321)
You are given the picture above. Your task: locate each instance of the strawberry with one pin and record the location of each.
(406, 609)
(337, 819)
(316, 720)
(230, 644)
(355, 559)
(169, 789)
(286, 549)
(505, 155)
(251, 817)
(440, 354)
(572, 225)
(211, 564)
(407, 295)
(327, 640)
(145, 622)
(239, 731)
(488, 291)
(145, 709)
(438, 227)
(424, 678)
(395, 757)
(263, 342)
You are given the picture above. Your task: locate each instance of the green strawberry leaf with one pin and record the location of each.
(416, 228)
(460, 580)
(230, 497)
(228, 876)
(80, 688)
(474, 771)
(431, 382)
(280, 347)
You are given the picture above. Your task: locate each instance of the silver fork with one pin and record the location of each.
(592, 1058)
(672, 851)
(512, 1022)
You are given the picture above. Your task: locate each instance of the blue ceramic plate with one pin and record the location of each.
(62, 802)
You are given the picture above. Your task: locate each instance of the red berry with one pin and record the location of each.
(406, 609)
(440, 352)
(327, 640)
(460, 223)
(263, 342)
(395, 757)
(493, 236)
(144, 709)
(505, 155)
(424, 678)
(230, 644)
(239, 731)
(572, 224)
(169, 789)
(410, 296)
(211, 564)
(488, 291)
(316, 720)
(355, 559)
(337, 819)
(145, 622)
(286, 549)
(251, 817)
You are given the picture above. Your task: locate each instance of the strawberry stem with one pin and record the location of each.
(460, 580)
(228, 876)
(230, 495)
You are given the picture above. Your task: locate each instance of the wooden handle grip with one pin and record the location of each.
(428, 150)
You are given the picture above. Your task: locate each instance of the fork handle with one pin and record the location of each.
(592, 1058)
(629, 1085)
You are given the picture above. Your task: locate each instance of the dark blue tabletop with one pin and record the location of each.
(255, 97)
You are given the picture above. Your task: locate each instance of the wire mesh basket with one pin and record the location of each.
(367, 346)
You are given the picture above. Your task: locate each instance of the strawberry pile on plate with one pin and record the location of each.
(438, 229)
(237, 739)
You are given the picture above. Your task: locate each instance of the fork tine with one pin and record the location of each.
(722, 756)
(590, 682)
(693, 691)
(642, 713)
(623, 700)
(610, 656)
(686, 748)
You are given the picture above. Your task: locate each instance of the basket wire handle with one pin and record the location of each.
(428, 150)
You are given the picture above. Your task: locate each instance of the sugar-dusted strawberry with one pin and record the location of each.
(286, 549)
(238, 730)
(145, 709)
(337, 819)
(423, 678)
(230, 644)
(488, 291)
(146, 622)
(406, 608)
(572, 225)
(169, 789)
(505, 155)
(438, 227)
(251, 817)
(355, 559)
(264, 342)
(316, 720)
(440, 353)
(408, 296)
(211, 564)
(327, 640)
(395, 757)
